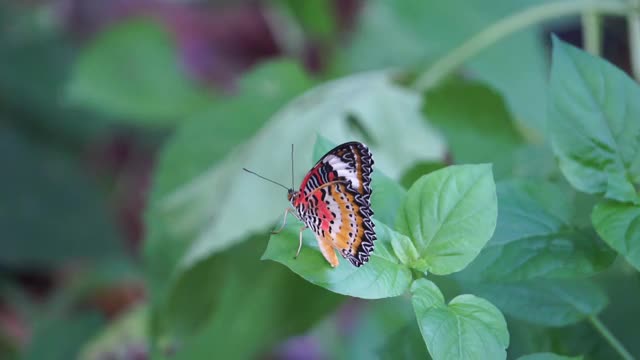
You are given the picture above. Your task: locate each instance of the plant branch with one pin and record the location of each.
(592, 32)
(611, 339)
(508, 25)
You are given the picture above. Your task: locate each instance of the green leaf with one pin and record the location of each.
(546, 302)
(129, 329)
(593, 123)
(619, 225)
(50, 211)
(62, 338)
(548, 356)
(450, 214)
(417, 32)
(406, 343)
(468, 327)
(476, 124)
(534, 238)
(223, 205)
(383, 276)
(132, 71)
(197, 147)
(260, 302)
(418, 170)
(387, 194)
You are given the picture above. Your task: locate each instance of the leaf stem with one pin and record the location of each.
(508, 25)
(611, 339)
(592, 32)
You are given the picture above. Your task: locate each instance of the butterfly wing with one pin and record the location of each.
(338, 202)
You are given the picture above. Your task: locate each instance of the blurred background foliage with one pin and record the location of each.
(108, 108)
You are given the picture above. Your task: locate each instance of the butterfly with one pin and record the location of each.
(334, 201)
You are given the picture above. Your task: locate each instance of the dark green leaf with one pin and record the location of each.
(548, 356)
(128, 330)
(468, 327)
(132, 70)
(62, 338)
(417, 171)
(259, 302)
(450, 214)
(619, 225)
(50, 211)
(417, 32)
(593, 116)
(383, 276)
(534, 239)
(476, 124)
(546, 302)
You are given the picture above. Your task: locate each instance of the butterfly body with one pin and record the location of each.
(334, 201)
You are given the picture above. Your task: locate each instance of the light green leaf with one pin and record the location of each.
(132, 71)
(593, 123)
(546, 302)
(383, 276)
(223, 204)
(468, 327)
(476, 124)
(619, 225)
(534, 237)
(450, 214)
(197, 147)
(548, 356)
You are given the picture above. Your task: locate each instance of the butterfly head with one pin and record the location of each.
(292, 195)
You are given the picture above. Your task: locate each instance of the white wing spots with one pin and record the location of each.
(343, 169)
(334, 208)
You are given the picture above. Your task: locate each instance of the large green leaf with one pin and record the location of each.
(383, 276)
(416, 32)
(132, 70)
(222, 204)
(546, 302)
(548, 356)
(450, 214)
(535, 239)
(199, 146)
(256, 302)
(468, 327)
(593, 121)
(619, 225)
(51, 211)
(476, 124)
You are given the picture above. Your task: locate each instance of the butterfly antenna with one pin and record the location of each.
(292, 180)
(262, 177)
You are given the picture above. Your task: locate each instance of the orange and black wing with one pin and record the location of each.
(337, 191)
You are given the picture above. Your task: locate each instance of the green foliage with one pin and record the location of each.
(467, 328)
(132, 71)
(618, 224)
(593, 123)
(44, 194)
(384, 275)
(477, 125)
(548, 356)
(450, 214)
(546, 302)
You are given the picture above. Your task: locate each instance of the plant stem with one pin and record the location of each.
(612, 340)
(508, 25)
(591, 32)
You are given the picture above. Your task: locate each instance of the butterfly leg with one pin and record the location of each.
(284, 222)
(300, 242)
